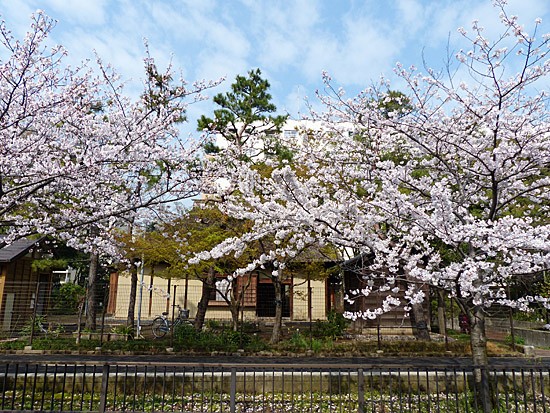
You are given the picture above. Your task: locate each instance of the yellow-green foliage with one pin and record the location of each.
(173, 243)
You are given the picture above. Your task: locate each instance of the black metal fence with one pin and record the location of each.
(141, 387)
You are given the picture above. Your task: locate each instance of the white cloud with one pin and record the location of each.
(278, 50)
(186, 21)
(85, 12)
(304, 15)
(17, 14)
(411, 15)
(227, 39)
(214, 65)
(363, 52)
(284, 31)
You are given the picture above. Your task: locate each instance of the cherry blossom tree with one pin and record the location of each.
(77, 155)
(75, 150)
(451, 193)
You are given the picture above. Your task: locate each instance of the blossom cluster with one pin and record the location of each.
(445, 184)
(77, 156)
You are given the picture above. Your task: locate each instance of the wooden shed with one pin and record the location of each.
(21, 287)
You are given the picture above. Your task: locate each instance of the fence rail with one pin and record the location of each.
(140, 387)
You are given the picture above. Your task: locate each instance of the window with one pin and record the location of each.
(244, 284)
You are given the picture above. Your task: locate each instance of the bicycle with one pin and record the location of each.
(162, 325)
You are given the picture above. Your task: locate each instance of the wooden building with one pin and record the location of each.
(21, 287)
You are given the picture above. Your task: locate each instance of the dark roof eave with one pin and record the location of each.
(17, 249)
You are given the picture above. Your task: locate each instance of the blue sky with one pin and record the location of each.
(291, 41)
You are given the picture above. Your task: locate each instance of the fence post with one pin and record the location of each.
(233, 390)
(34, 312)
(104, 308)
(309, 313)
(360, 391)
(173, 316)
(81, 307)
(140, 298)
(511, 317)
(104, 388)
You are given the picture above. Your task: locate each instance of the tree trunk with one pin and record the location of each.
(276, 334)
(91, 295)
(478, 342)
(237, 298)
(441, 322)
(420, 326)
(339, 297)
(207, 287)
(234, 303)
(234, 317)
(130, 320)
(418, 317)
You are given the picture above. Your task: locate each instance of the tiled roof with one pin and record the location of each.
(16, 249)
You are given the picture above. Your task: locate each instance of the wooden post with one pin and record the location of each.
(186, 289)
(34, 312)
(309, 314)
(173, 315)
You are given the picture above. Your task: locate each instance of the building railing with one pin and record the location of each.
(140, 387)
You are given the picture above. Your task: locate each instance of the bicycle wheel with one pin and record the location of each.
(159, 327)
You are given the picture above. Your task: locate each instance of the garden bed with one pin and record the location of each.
(103, 337)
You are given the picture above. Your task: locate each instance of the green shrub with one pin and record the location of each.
(235, 338)
(67, 298)
(249, 327)
(27, 329)
(123, 330)
(298, 342)
(14, 345)
(319, 345)
(534, 314)
(457, 335)
(213, 325)
(334, 327)
(41, 326)
(187, 338)
(518, 340)
(185, 334)
(256, 344)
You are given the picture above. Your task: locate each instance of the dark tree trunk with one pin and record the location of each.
(207, 287)
(130, 320)
(339, 297)
(478, 341)
(276, 334)
(91, 292)
(234, 303)
(237, 299)
(441, 322)
(234, 317)
(420, 326)
(418, 317)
